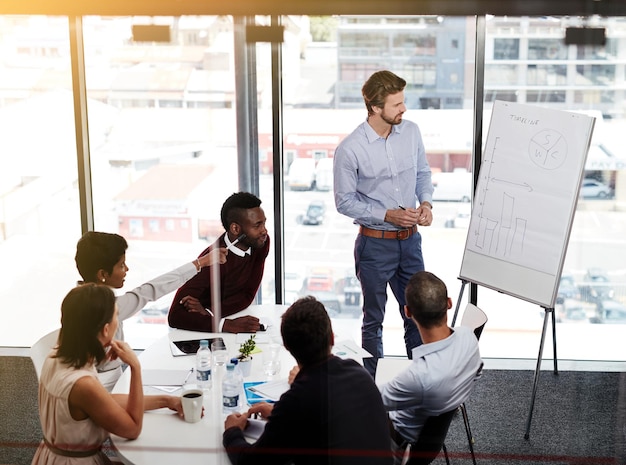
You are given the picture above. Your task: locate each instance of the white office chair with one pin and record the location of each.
(40, 349)
(475, 319)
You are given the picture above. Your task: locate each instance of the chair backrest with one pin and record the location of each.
(474, 318)
(431, 439)
(40, 349)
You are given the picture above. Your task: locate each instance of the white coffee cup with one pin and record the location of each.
(191, 398)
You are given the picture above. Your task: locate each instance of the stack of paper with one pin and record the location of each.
(165, 377)
(269, 391)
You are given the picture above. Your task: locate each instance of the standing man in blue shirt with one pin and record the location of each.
(382, 179)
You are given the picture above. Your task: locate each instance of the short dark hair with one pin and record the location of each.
(307, 331)
(84, 312)
(427, 299)
(379, 86)
(98, 251)
(234, 206)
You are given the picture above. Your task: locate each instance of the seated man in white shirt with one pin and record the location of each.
(443, 369)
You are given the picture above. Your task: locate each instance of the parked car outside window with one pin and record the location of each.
(324, 174)
(596, 286)
(350, 287)
(572, 311)
(314, 214)
(610, 312)
(301, 174)
(592, 189)
(567, 289)
(320, 279)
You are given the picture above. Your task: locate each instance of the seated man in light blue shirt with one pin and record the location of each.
(444, 368)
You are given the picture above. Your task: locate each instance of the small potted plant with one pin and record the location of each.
(245, 349)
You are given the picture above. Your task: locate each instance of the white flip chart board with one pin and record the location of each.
(532, 166)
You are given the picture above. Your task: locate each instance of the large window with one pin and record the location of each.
(505, 49)
(39, 207)
(169, 158)
(162, 137)
(593, 288)
(164, 153)
(546, 49)
(319, 242)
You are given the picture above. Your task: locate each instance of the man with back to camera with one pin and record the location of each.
(380, 172)
(331, 414)
(248, 244)
(443, 370)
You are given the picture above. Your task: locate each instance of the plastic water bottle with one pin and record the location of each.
(239, 378)
(238, 373)
(203, 365)
(231, 390)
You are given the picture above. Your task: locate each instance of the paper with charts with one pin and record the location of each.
(528, 185)
(347, 348)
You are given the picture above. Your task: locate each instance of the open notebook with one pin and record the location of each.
(254, 428)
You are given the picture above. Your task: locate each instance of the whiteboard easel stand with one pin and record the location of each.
(548, 312)
(458, 301)
(525, 145)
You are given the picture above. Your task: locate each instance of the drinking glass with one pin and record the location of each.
(219, 352)
(271, 360)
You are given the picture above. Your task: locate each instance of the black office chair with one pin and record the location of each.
(431, 440)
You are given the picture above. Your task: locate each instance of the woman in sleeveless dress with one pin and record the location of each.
(77, 413)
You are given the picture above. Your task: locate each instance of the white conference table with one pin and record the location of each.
(166, 438)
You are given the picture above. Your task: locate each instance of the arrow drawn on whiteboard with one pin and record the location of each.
(523, 185)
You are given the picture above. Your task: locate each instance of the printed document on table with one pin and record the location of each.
(271, 390)
(165, 377)
(347, 348)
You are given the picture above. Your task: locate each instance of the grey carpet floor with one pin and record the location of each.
(20, 432)
(578, 418)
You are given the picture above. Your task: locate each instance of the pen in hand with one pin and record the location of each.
(401, 207)
(188, 375)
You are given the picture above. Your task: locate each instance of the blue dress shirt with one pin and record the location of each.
(373, 174)
(439, 379)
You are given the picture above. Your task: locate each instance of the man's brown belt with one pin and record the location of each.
(399, 234)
